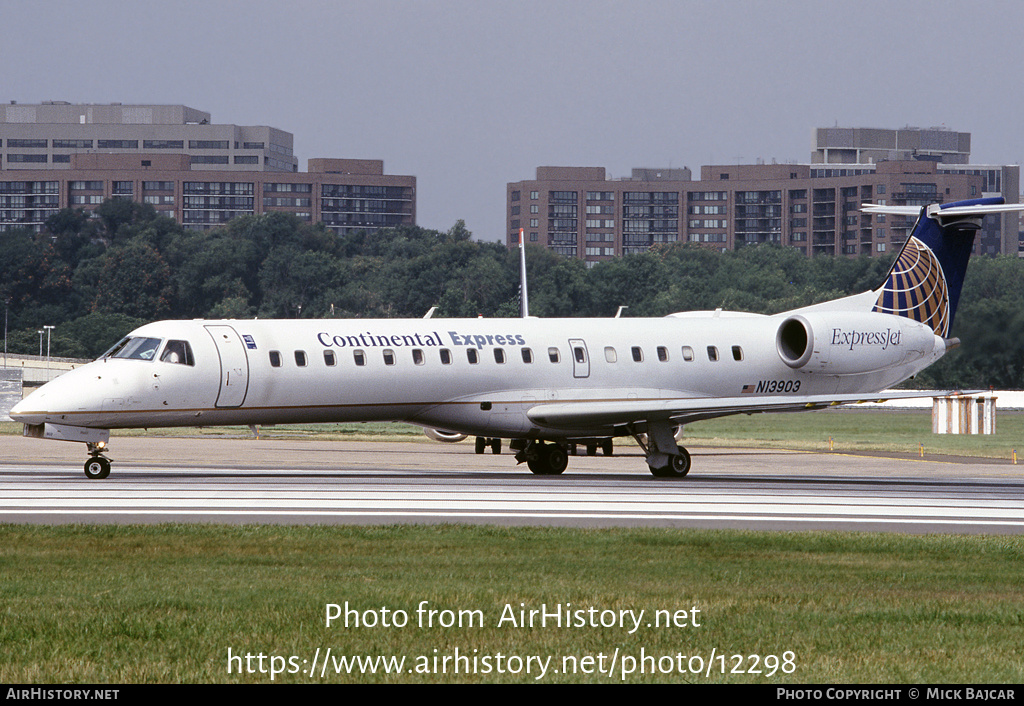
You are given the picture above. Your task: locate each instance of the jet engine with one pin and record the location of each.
(852, 343)
(449, 437)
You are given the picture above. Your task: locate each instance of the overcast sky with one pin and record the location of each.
(468, 96)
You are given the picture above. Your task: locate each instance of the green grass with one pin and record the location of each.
(859, 430)
(165, 603)
(881, 430)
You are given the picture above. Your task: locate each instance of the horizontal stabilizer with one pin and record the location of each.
(940, 212)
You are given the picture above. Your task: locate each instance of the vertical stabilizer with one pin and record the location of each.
(924, 283)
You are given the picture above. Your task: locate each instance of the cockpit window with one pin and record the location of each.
(138, 348)
(179, 352)
(116, 347)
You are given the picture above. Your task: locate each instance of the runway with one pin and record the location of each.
(313, 482)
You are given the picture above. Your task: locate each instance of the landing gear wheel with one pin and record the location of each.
(606, 447)
(97, 468)
(551, 460)
(591, 449)
(677, 467)
(495, 446)
(481, 444)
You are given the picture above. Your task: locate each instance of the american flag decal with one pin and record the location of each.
(748, 389)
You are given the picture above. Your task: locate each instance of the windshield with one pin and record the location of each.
(137, 348)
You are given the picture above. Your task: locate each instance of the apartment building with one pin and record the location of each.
(814, 208)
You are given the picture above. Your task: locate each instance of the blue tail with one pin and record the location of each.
(925, 281)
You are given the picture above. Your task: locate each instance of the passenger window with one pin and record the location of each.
(499, 355)
(446, 356)
(687, 354)
(300, 358)
(553, 355)
(609, 354)
(638, 355)
(179, 352)
(275, 359)
(417, 356)
(527, 355)
(359, 357)
(712, 353)
(663, 354)
(389, 356)
(329, 359)
(737, 353)
(580, 354)
(471, 356)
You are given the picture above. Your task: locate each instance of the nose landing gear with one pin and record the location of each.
(98, 465)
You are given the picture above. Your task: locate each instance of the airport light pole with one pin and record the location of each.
(40, 332)
(48, 329)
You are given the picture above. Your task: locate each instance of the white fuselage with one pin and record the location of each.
(476, 376)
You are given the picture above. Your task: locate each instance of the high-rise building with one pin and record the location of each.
(47, 135)
(58, 155)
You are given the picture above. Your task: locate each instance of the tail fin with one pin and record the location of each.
(925, 281)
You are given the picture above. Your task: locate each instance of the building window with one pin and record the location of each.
(163, 144)
(118, 144)
(208, 144)
(30, 144)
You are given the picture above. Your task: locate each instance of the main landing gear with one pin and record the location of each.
(483, 442)
(544, 459)
(98, 465)
(665, 458)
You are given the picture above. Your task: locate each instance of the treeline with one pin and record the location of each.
(96, 278)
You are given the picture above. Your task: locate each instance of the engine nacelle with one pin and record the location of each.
(448, 437)
(847, 343)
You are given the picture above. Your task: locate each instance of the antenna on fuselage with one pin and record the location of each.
(524, 304)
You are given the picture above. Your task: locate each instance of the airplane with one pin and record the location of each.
(541, 383)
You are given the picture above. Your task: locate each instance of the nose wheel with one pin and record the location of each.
(98, 466)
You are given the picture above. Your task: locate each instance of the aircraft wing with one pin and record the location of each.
(592, 414)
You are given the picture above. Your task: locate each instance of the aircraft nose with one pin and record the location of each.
(27, 412)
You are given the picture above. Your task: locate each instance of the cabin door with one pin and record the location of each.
(234, 366)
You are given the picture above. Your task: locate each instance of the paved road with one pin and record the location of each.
(301, 482)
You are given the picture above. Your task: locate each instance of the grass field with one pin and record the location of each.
(165, 603)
